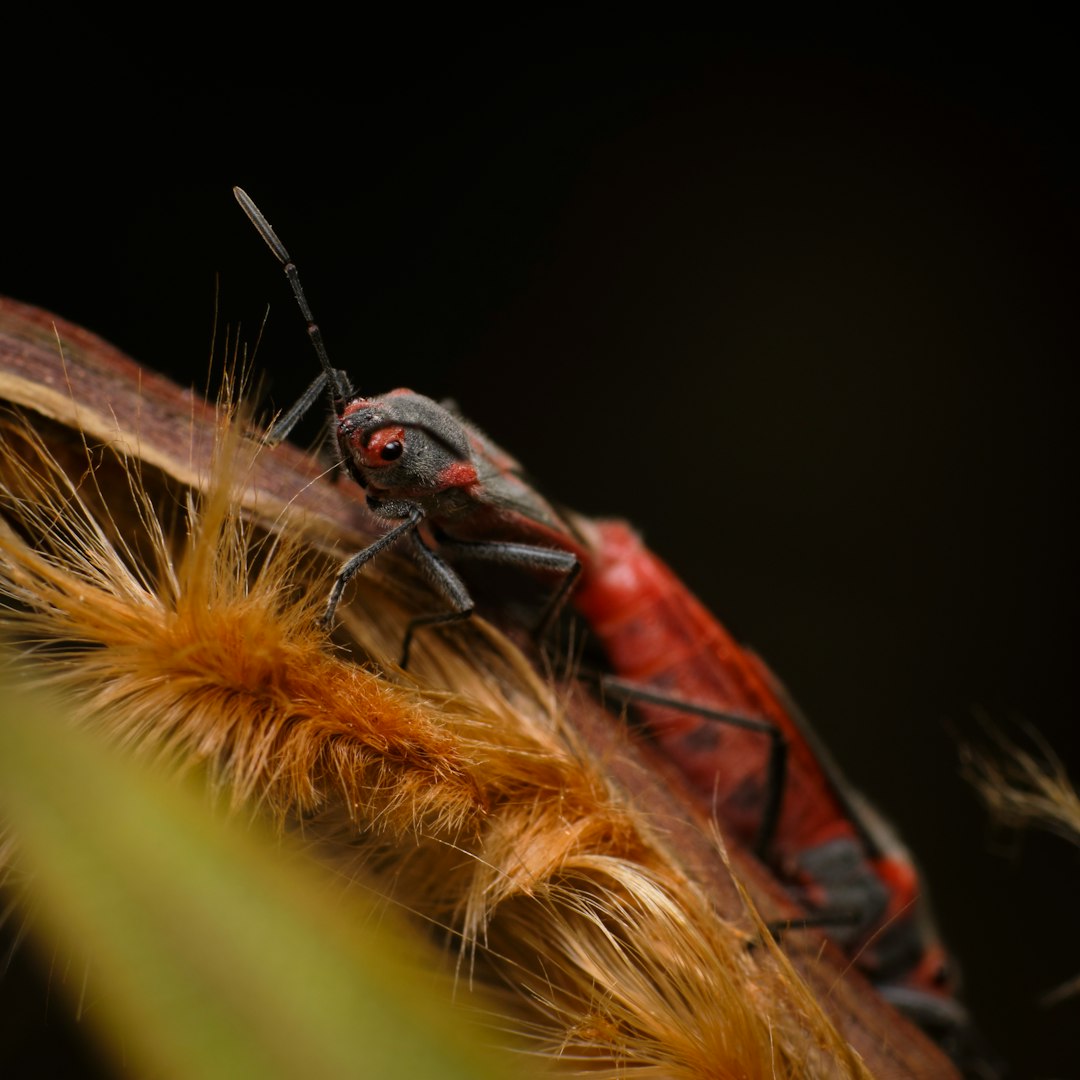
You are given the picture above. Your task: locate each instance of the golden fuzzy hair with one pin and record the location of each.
(180, 619)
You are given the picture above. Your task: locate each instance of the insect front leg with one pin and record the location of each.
(414, 515)
(287, 421)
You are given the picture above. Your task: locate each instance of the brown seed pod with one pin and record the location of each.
(175, 569)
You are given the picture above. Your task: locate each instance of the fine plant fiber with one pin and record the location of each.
(1023, 786)
(185, 630)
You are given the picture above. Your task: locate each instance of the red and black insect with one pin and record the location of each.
(823, 840)
(713, 707)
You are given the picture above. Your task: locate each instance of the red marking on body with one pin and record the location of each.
(460, 474)
(355, 406)
(933, 972)
(903, 882)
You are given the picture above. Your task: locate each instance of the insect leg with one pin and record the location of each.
(362, 558)
(776, 772)
(448, 584)
(818, 921)
(530, 557)
(555, 604)
(289, 420)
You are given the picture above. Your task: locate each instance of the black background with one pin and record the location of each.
(799, 304)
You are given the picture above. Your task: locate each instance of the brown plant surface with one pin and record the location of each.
(180, 618)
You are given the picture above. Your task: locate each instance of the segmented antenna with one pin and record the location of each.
(337, 379)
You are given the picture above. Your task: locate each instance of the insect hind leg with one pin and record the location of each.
(819, 920)
(453, 590)
(856, 899)
(776, 770)
(528, 557)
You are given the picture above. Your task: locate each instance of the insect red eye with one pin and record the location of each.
(382, 446)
